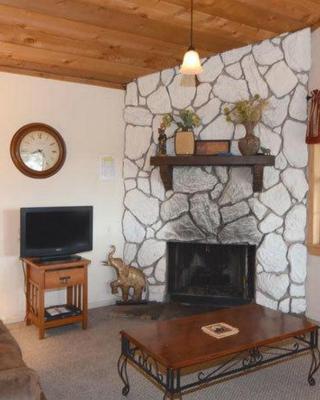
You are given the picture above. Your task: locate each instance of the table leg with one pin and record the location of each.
(315, 357)
(172, 385)
(122, 370)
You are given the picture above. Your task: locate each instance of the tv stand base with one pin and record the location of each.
(58, 259)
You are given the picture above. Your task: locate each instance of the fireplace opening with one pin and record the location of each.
(217, 274)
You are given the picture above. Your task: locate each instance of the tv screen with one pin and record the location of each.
(55, 231)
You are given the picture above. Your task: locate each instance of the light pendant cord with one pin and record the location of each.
(191, 25)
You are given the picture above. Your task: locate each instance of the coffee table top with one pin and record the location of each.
(181, 343)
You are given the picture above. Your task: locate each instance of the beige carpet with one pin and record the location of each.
(81, 365)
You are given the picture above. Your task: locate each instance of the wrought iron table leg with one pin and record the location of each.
(315, 360)
(172, 385)
(122, 370)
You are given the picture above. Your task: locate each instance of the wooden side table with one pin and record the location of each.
(39, 277)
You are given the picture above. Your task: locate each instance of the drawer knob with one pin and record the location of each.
(64, 279)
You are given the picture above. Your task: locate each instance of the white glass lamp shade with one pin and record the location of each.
(191, 64)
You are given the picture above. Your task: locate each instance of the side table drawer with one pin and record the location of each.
(64, 278)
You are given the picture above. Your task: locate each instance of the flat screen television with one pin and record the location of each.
(55, 232)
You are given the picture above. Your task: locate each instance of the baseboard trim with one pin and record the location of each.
(101, 303)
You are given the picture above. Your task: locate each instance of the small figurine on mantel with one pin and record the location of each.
(127, 277)
(162, 138)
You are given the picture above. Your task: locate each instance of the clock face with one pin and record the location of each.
(38, 150)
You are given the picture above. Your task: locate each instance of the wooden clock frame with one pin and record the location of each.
(15, 150)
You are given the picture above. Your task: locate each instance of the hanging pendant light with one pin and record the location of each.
(191, 64)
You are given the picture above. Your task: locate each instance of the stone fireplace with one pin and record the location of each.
(217, 274)
(216, 205)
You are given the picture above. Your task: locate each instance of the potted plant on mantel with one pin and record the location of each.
(247, 113)
(184, 136)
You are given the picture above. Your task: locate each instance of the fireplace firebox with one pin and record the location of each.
(217, 274)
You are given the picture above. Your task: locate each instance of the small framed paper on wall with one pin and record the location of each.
(212, 147)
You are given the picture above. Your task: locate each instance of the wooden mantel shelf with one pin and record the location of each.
(257, 163)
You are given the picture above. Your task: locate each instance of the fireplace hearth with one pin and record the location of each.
(216, 274)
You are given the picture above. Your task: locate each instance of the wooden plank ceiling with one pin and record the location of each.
(111, 42)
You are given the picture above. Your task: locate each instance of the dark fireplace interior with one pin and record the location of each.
(216, 274)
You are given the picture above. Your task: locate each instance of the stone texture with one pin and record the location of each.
(137, 116)
(239, 186)
(257, 208)
(230, 213)
(159, 101)
(269, 139)
(222, 174)
(230, 90)
(202, 96)
(266, 301)
(281, 162)
(276, 111)
(218, 129)
(157, 293)
(144, 208)
(151, 152)
(213, 204)
(130, 170)
(182, 91)
(131, 94)
(295, 223)
(294, 146)
(256, 84)
(234, 70)
(298, 306)
(174, 207)
(277, 198)
(244, 229)
(216, 192)
(296, 183)
(150, 251)
(147, 84)
(297, 290)
(235, 55)
(209, 111)
(270, 223)
(157, 188)
(167, 75)
(239, 132)
(270, 177)
(266, 53)
(137, 141)
(129, 252)
(181, 229)
(160, 270)
(129, 184)
(211, 69)
(298, 105)
(132, 229)
(284, 305)
(297, 50)
(144, 185)
(272, 253)
(281, 79)
(192, 179)
(275, 286)
(205, 213)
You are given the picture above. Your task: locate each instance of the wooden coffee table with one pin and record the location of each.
(166, 350)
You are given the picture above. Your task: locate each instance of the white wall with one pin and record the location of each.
(313, 273)
(90, 121)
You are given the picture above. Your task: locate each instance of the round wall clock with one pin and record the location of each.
(38, 150)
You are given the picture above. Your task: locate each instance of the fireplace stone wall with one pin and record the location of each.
(216, 204)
